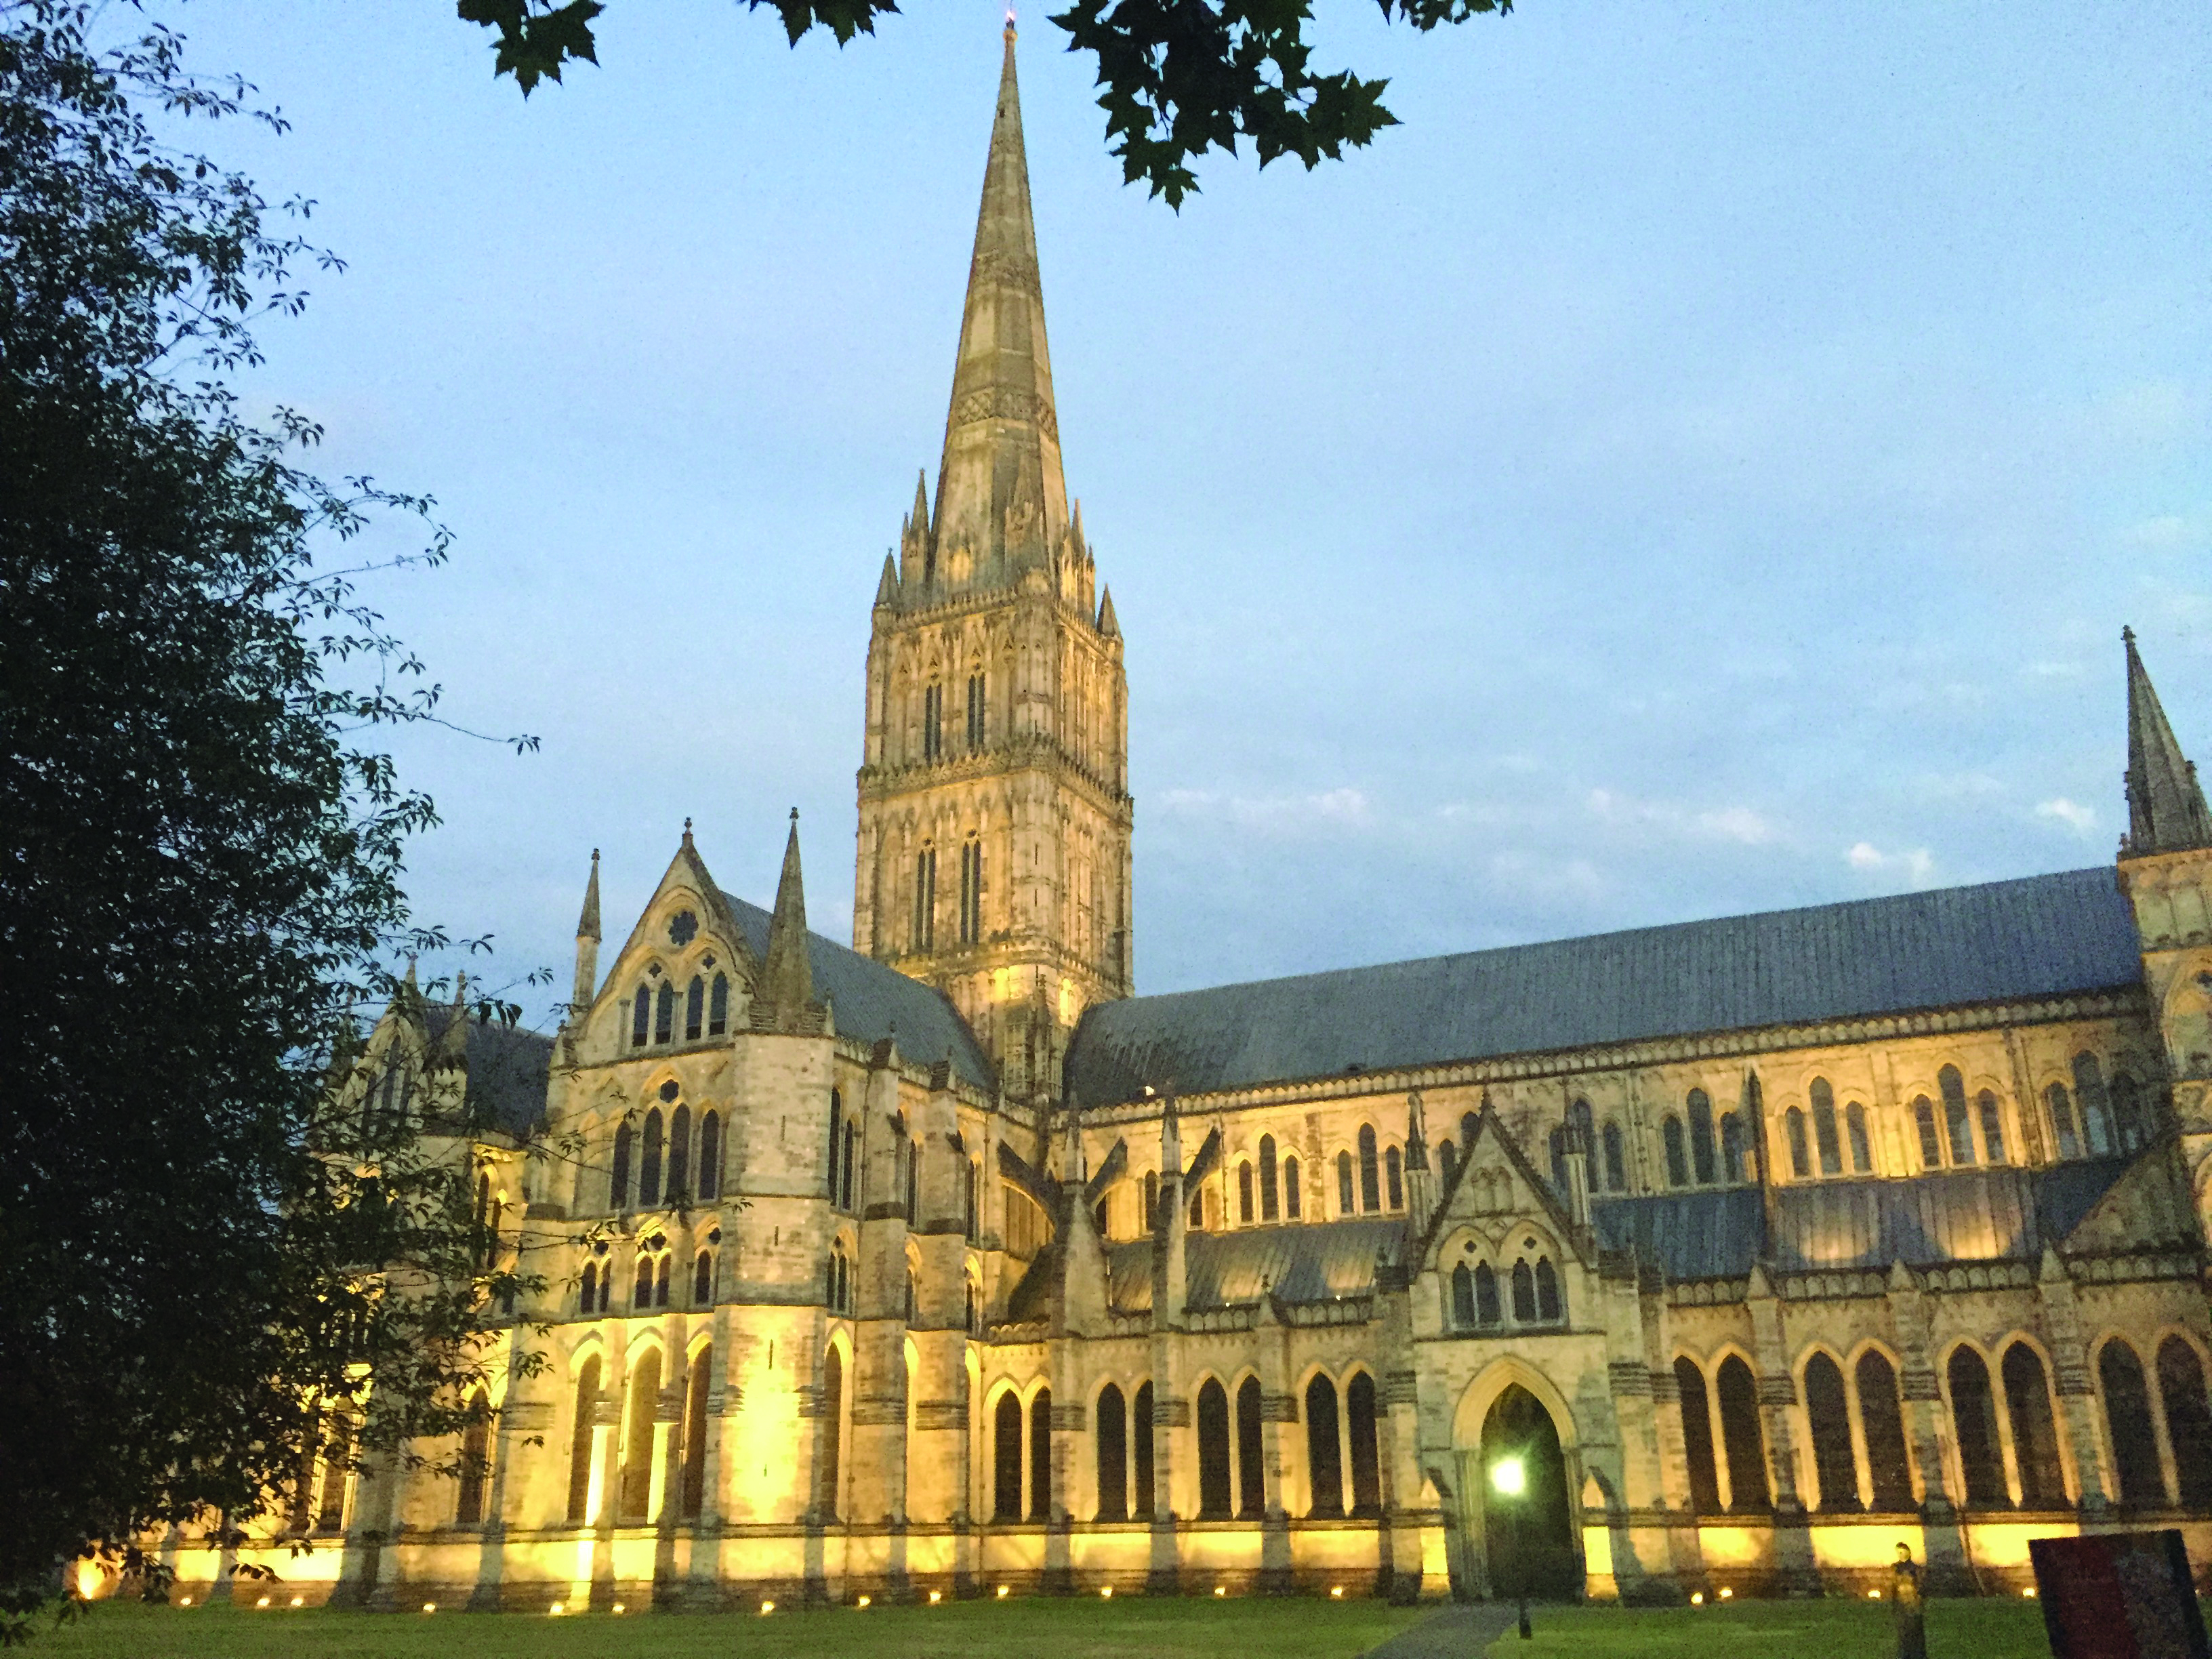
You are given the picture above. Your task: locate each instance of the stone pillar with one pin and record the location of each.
(1278, 1419)
(1946, 1568)
(2096, 1484)
(1397, 1431)
(1777, 1402)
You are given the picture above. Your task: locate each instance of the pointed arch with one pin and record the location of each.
(1110, 1413)
(1366, 1454)
(1829, 1414)
(2188, 1419)
(1040, 1455)
(579, 1441)
(679, 1154)
(1270, 1204)
(1324, 1454)
(1881, 1414)
(2127, 1422)
(698, 1378)
(1141, 1435)
(1251, 1456)
(1698, 1437)
(648, 1162)
(1742, 1436)
(833, 1430)
(1006, 1457)
(1700, 1107)
(2034, 1428)
(1371, 1178)
(710, 1156)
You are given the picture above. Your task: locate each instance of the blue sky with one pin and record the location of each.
(1700, 462)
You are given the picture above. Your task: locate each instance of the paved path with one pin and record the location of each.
(1462, 1631)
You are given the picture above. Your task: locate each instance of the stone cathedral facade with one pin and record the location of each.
(946, 1265)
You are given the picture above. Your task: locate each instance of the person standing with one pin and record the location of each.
(1904, 1604)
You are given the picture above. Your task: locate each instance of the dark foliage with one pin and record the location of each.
(1181, 78)
(202, 1264)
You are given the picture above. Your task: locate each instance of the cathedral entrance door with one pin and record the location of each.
(1529, 1537)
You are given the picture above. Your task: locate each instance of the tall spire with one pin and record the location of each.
(588, 944)
(2166, 803)
(787, 977)
(1000, 495)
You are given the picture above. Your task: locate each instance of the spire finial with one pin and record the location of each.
(2166, 810)
(587, 924)
(787, 975)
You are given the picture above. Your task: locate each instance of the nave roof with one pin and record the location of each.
(2038, 936)
(507, 1070)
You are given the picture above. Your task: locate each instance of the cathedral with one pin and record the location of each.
(1718, 1258)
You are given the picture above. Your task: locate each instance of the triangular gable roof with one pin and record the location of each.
(1490, 1131)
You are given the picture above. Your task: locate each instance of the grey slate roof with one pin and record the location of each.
(874, 1002)
(507, 1071)
(1316, 1262)
(2038, 936)
(1958, 1215)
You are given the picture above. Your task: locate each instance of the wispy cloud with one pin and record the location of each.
(1743, 824)
(2079, 819)
(1917, 866)
(1339, 809)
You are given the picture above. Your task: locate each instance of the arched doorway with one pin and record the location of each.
(1528, 1536)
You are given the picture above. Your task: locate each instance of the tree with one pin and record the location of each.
(1181, 78)
(204, 1266)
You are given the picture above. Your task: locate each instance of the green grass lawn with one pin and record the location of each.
(1127, 1628)
(1990, 1629)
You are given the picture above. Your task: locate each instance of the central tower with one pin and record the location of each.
(995, 816)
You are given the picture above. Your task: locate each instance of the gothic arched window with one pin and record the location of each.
(702, 1280)
(1113, 1447)
(833, 1432)
(1800, 1157)
(1678, 1161)
(1742, 1436)
(1447, 1161)
(932, 721)
(694, 1431)
(1324, 1457)
(1524, 1294)
(1548, 1307)
(1370, 1185)
(1251, 1457)
(1244, 1193)
(1616, 1166)
(1040, 1455)
(718, 1006)
(710, 1156)
(1007, 1458)
(648, 1163)
(1270, 1208)
(1393, 1179)
(2187, 1420)
(694, 1009)
(1826, 1140)
(1213, 1489)
(1345, 1204)
(1855, 1131)
(1701, 1136)
(1151, 1201)
(1974, 1420)
(2129, 1117)
(580, 1442)
(1293, 1195)
(1992, 1119)
(1924, 1120)
(1462, 1297)
(1955, 1121)
(2061, 1121)
(1487, 1310)
(2035, 1430)
(1141, 1432)
(618, 1178)
(664, 1014)
(1366, 1463)
(1828, 1412)
(1698, 1437)
(1731, 1147)
(641, 1016)
(1889, 1465)
(971, 891)
(587, 1290)
(679, 1153)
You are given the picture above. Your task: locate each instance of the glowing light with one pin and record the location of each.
(1726, 1592)
(618, 1607)
(767, 1608)
(430, 1606)
(1874, 1595)
(1336, 1592)
(1697, 1598)
(263, 1602)
(556, 1609)
(862, 1602)
(1002, 1592)
(299, 1601)
(2029, 1592)
(187, 1601)
(1510, 1476)
(935, 1597)
(1221, 1589)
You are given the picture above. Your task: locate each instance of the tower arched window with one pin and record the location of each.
(977, 710)
(1855, 1131)
(932, 721)
(702, 1280)
(1826, 1140)
(664, 1014)
(1370, 1186)
(618, 1177)
(836, 1144)
(1801, 1155)
(1293, 1195)
(1678, 1157)
(1524, 1294)
(694, 1009)
(710, 1156)
(648, 1163)
(1345, 1204)
(1040, 1455)
(1141, 1435)
(1616, 1165)
(694, 1431)
(1007, 1458)
(476, 1459)
(1487, 1310)
(971, 891)
(1462, 1297)
(1959, 1126)
(1701, 1136)
(718, 1006)
(640, 1018)
(2130, 1121)
(1113, 1444)
(971, 1201)
(588, 1288)
(679, 1153)
(1393, 1179)
(925, 899)
(1270, 1208)
(833, 1432)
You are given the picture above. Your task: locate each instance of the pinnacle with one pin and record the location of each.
(2166, 811)
(787, 976)
(587, 924)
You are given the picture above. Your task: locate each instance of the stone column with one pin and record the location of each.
(2096, 1485)
(1946, 1565)
(1777, 1402)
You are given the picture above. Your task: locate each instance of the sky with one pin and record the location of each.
(1700, 462)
